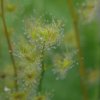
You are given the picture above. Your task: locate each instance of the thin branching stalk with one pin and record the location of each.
(9, 43)
(80, 55)
(42, 68)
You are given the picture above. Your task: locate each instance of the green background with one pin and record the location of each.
(68, 89)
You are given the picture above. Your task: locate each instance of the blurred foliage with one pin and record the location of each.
(18, 11)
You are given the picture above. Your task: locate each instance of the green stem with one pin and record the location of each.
(82, 70)
(0, 49)
(97, 65)
(9, 43)
(42, 69)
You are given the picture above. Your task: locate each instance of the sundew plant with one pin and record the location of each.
(49, 50)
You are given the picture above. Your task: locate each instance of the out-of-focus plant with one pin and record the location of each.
(39, 48)
(42, 38)
(87, 10)
(39, 42)
(80, 14)
(8, 40)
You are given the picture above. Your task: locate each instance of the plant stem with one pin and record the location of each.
(80, 55)
(0, 49)
(9, 43)
(97, 65)
(42, 69)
